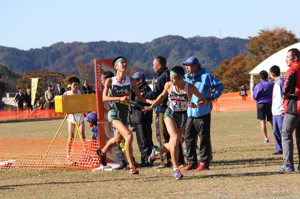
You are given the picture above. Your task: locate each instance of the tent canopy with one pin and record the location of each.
(276, 59)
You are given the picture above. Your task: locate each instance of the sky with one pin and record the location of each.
(41, 23)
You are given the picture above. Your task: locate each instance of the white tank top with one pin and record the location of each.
(77, 115)
(179, 101)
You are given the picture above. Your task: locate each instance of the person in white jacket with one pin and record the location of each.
(277, 107)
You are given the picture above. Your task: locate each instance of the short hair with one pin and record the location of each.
(178, 69)
(275, 70)
(74, 79)
(263, 75)
(94, 123)
(58, 83)
(19, 89)
(161, 60)
(295, 52)
(107, 74)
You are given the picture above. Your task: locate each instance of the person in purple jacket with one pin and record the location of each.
(263, 96)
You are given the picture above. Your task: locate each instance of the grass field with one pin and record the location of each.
(242, 167)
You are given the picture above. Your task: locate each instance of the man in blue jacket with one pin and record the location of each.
(199, 118)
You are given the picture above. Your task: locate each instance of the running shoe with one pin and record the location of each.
(133, 170)
(152, 156)
(102, 157)
(177, 174)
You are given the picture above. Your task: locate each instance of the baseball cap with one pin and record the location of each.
(139, 75)
(92, 117)
(191, 60)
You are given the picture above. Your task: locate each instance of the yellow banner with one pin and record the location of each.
(34, 83)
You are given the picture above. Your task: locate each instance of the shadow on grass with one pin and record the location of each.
(9, 187)
(251, 161)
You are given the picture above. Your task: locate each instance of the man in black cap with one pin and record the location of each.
(49, 97)
(142, 121)
(198, 122)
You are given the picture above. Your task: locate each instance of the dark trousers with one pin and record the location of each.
(195, 126)
(144, 140)
(163, 137)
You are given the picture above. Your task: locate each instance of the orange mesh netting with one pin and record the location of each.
(27, 115)
(28, 153)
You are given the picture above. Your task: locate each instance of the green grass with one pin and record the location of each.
(242, 167)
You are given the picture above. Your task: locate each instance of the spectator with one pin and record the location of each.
(59, 90)
(142, 121)
(199, 119)
(92, 121)
(263, 96)
(291, 121)
(277, 107)
(87, 89)
(162, 135)
(19, 98)
(243, 93)
(27, 99)
(49, 97)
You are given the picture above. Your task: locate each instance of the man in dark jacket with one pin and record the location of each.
(142, 121)
(59, 90)
(162, 135)
(19, 98)
(291, 121)
(27, 99)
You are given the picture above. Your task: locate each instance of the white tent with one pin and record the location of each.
(276, 59)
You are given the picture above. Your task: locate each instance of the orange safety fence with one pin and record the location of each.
(27, 115)
(31, 153)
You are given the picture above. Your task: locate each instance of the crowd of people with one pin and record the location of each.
(24, 100)
(278, 102)
(182, 104)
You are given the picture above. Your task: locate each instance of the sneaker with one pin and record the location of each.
(202, 166)
(286, 169)
(177, 174)
(266, 140)
(152, 156)
(277, 153)
(133, 170)
(102, 157)
(189, 166)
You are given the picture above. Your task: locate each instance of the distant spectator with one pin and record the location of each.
(87, 89)
(263, 96)
(49, 96)
(243, 92)
(38, 105)
(59, 90)
(19, 98)
(1, 106)
(27, 99)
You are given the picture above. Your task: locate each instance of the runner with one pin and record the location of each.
(120, 87)
(175, 116)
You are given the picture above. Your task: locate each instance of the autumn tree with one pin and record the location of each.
(234, 73)
(269, 42)
(84, 70)
(46, 77)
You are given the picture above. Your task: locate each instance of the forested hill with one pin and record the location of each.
(62, 56)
